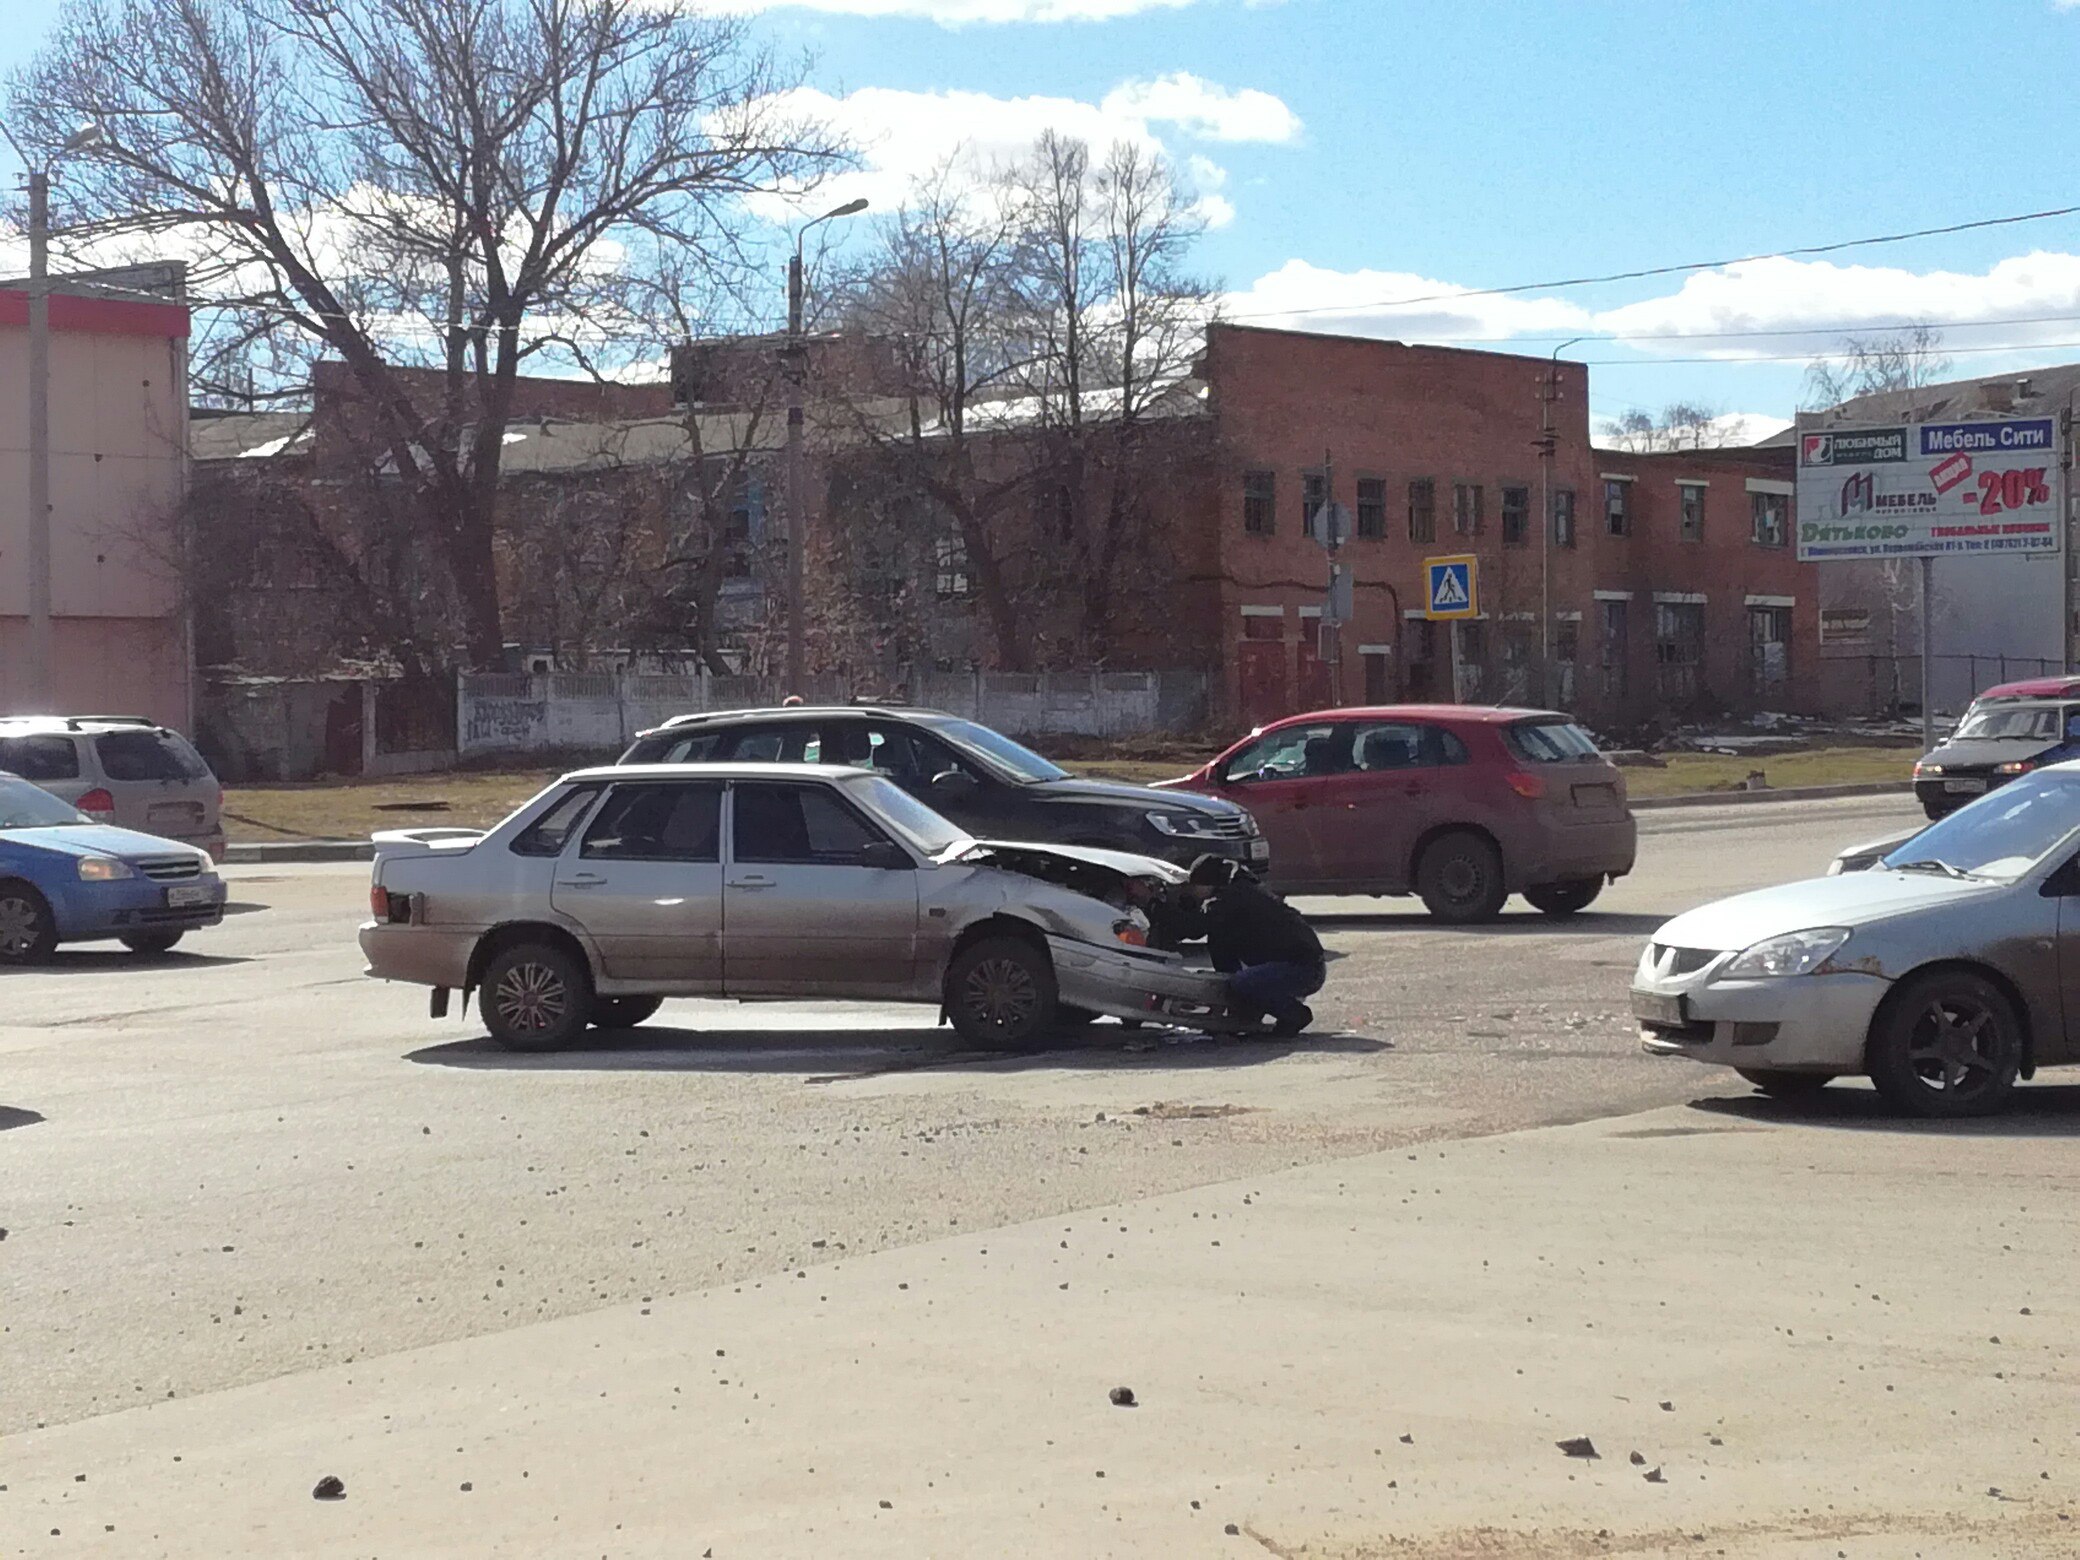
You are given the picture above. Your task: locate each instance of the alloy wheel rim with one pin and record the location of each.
(19, 924)
(1956, 1047)
(1002, 993)
(531, 997)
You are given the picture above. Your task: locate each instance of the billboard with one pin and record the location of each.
(1929, 489)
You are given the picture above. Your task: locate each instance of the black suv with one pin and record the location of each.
(980, 779)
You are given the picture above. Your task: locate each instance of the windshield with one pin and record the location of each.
(2000, 836)
(24, 806)
(999, 751)
(1997, 724)
(909, 817)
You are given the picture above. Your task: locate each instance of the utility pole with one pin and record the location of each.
(1548, 393)
(41, 697)
(796, 372)
(1928, 660)
(1331, 644)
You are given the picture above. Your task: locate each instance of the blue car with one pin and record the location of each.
(65, 878)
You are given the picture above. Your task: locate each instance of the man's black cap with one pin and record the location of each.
(1211, 871)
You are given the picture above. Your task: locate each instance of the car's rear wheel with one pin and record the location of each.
(1946, 1044)
(1568, 898)
(1781, 1085)
(622, 1012)
(151, 942)
(28, 930)
(1001, 991)
(536, 997)
(1459, 877)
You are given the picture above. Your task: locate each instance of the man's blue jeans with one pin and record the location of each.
(1275, 988)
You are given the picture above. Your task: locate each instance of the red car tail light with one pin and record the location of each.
(97, 801)
(1530, 787)
(379, 902)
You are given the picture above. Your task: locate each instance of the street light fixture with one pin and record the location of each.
(41, 694)
(797, 372)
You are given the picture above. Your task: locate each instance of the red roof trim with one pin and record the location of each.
(100, 316)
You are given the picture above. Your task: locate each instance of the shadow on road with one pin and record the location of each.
(2037, 1110)
(845, 1055)
(15, 1116)
(77, 961)
(1526, 924)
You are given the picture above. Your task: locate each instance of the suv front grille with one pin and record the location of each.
(1238, 828)
(166, 869)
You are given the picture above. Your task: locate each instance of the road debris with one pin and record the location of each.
(1578, 1446)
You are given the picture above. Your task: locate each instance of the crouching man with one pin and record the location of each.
(1271, 956)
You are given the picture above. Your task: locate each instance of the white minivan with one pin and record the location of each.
(119, 769)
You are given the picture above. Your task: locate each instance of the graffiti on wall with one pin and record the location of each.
(504, 722)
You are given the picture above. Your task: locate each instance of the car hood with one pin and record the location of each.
(1123, 862)
(1117, 793)
(1856, 899)
(96, 839)
(1985, 752)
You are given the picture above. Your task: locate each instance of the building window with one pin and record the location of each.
(1379, 676)
(1468, 501)
(1469, 661)
(1617, 507)
(1772, 518)
(1516, 515)
(1678, 649)
(1372, 508)
(1259, 495)
(1314, 492)
(1567, 634)
(1690, 511)
(1769, 648)
(1518, 647)
(1563, 517)
(949, 568)
(1616, 647)
(1422, 510)
(737, 532)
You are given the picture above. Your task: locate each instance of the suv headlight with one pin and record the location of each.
(1795, 953)
(1184, 825)
(103, 869)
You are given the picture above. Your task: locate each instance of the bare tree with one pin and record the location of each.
(1909, 358)
(452, 184)
(1680, 425)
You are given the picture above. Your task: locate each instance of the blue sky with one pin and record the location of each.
(1357, 152)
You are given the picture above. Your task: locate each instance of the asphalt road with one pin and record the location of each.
(247, 1160)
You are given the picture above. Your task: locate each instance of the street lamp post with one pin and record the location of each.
(797, 518)
(41, 695)
(1549, 392)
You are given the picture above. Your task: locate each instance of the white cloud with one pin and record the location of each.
(957, 13)
(902, 136)
(1309, 297)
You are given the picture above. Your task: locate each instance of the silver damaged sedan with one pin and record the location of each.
(618, 887)
(1945, 971)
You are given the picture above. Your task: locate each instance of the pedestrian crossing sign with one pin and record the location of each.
(1454, 590)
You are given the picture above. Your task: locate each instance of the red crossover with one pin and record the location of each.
(1460, 804)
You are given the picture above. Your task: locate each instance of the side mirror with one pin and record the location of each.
(884, 856)
(954, 783)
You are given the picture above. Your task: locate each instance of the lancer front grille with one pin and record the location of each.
(1682, 961)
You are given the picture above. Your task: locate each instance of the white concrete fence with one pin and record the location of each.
(602, 711)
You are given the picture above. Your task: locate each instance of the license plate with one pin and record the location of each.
(1259, 850)
(1964, 787)
(1657, 1009)
(189, 895)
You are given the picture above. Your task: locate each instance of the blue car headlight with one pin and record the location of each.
(103, 869)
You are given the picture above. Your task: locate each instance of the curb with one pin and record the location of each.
(1793, 793)
(256, 853)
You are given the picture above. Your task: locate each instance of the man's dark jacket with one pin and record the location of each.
(1246, 925)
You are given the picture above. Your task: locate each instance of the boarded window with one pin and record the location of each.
(1516, 515)
(1422, 510)
(1372, 508)
(1469, 499)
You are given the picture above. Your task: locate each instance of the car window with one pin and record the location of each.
(681, 822)
(799, 824)
(44, 757)
(546, 835)
(148, 755)
(1293, 752)
(909, 817)
(23, 806)
(2002, 834)
(774, 744)
(996, 751)
(1550, 741)
(2010, 723)
(1403, 745)
(696, 747)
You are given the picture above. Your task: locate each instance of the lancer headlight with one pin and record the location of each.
(1182, 825)
(1795, 953)
(103, 869)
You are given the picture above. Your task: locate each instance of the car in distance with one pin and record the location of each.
(1992, 745)
(1941, 972)
(979, 779)
(66, 878)
(1460, 804)
(120, 769)
(617, 887)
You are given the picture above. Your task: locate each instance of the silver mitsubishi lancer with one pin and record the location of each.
(1945, 971)
(616, 888)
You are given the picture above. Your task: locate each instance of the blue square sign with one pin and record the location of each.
(1453, 586)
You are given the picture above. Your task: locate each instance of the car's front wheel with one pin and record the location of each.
(1781, 1085)
(622, 1012)
(28, 930)
(1568, 898)
(150, 942)
(1459, 877)
(535, 997)
(1001, 991)
(1946, 1044)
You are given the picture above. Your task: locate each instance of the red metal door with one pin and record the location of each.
(1261, 668)
(1316, 692)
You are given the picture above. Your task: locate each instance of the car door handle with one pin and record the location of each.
(751, 882)
(582, 880)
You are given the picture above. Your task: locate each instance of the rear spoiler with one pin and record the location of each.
(392, 843)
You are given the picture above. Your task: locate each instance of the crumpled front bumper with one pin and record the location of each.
(1800, 1023)
(1156, 987)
